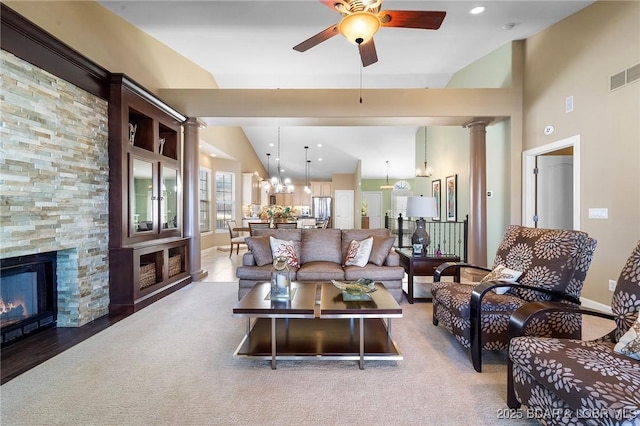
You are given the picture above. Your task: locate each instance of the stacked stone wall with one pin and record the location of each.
(54, 183)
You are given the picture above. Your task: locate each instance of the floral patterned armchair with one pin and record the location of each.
(566, 381)
(551, 265)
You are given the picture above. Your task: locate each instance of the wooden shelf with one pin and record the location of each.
(148, 256)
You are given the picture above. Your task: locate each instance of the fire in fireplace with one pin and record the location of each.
(27, 294)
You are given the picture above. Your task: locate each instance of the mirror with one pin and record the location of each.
(141, 201)
(169, 200)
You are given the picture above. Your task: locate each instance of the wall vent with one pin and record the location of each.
(633, 74)
(622, 78)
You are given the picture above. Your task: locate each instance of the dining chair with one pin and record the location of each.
(286, 225)
(234, 236)
(257, 225)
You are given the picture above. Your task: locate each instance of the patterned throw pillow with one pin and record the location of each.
(502, 273)
(282, 248)
(629, 344)
(358, 252)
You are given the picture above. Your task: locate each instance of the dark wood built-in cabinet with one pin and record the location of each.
(148, 256)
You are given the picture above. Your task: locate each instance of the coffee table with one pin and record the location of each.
(317, 324)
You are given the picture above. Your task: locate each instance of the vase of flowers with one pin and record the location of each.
(276, 213)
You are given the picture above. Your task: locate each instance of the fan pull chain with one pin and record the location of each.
(360, 81)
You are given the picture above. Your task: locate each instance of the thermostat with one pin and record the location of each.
(548, 130)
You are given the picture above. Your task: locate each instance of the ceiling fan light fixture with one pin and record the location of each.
(359, 27)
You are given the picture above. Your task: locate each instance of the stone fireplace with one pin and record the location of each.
(54, 184)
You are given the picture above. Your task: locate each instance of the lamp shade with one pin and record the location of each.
(359, 27)
(422, 207)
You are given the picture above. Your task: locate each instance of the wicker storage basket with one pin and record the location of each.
(175, 265)
(147, 275)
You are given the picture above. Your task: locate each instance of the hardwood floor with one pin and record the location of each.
(22, 355)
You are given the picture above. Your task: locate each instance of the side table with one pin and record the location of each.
(424, 266)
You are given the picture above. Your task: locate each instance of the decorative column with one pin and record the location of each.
(478, 190)
(191, 203)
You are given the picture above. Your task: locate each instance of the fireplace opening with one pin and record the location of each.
(28, 295)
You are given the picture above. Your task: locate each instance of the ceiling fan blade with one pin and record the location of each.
(412, 19)
(368, 53)
(317, 39)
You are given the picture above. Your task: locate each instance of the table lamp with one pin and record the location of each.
(421, 207)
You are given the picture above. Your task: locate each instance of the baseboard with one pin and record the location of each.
(591, 304)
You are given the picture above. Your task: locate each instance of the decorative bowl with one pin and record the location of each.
(356, 288)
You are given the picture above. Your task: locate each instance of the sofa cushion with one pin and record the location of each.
(286, 249)
(374, 272)
(358, 252)
(380, 250)
(260, 248)
(260, 273)
(320, 271)
(320, 245)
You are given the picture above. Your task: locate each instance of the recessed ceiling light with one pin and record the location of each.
(477, 10)
(270, 144)
(319, 145)
(319, 158)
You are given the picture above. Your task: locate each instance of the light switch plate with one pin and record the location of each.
(598, 213)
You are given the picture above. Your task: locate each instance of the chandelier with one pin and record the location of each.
(387, 186)
(278, 184)
(424, 172)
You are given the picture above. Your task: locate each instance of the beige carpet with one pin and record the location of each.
(171, 363)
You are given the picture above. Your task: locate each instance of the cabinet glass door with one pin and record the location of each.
(169, 198)
(142, 199)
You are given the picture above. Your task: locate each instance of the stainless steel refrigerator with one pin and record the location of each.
(321, 209)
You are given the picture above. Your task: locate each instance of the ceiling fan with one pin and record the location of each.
(361, 19)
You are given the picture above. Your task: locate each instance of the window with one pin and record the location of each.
(204, 194)
(399, 203)
(224, 200)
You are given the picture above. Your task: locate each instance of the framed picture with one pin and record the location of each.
(272, 200)
(436, 193)
(451, 188)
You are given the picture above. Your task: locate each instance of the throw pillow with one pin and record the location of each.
(629, 343)
(282, 248)
(380, 250)
(260, 247)
(358, 252)
(502, 273)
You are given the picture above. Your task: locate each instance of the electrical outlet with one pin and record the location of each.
(612, 285)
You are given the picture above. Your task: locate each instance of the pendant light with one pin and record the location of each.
(279, 185)
(387, 186)
(266, 184)
(306, 170)
(424, 172)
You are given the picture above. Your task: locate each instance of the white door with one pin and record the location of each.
(344, 209)
(531, 197)
(374, 208)
(554, 191)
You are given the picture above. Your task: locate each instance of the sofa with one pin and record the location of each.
(321, 255)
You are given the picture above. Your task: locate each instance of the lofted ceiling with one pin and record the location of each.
(249, 45)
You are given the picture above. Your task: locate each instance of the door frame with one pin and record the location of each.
(528, 178)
